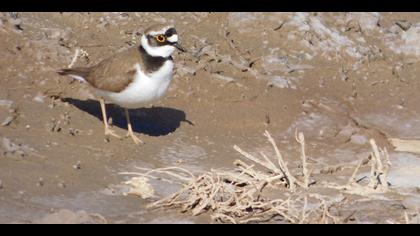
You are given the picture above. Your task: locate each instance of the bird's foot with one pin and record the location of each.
(134, 137)
(109, 132)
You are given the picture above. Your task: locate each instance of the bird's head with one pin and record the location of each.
(161, 40)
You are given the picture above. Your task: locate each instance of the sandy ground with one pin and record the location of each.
(340, 78)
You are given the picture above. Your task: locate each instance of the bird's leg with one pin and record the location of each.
(130, 129)
(108, 131)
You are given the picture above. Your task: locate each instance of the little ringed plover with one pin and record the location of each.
(133, 77)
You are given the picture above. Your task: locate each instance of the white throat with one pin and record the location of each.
(162, 51)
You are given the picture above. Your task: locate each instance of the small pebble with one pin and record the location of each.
(39, 98)
(1, 184)
(8, 120)
(54, 125)
(27, 126)
(66, 117)
(14, 15)
(73, 132)
(40, 182)
(77, 166)
(62, 185)
(403, 24)
(124, 15)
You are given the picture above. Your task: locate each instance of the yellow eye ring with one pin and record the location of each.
(160, 38)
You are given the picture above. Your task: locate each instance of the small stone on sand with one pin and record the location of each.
(77, 166)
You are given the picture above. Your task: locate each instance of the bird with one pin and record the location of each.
(134, 77)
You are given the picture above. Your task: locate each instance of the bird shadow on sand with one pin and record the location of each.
(154, 121)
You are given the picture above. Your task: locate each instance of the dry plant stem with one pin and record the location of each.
(301, 140)
(255, 219)
(352, 179)
(386, 168)
(283, 165)
(215, 189)
(249, 171)
(303, 217)
(269, 162)
(285, 209)
(379, 171)
(282, 213)
(166, 170)
(406, 218)
(376, 165)
(340, 167)
(76, 55)
(169, 200)
(150, 176)
(268, 165)
(324, 213)
(372, 171)
(236, 196)
(379, 168)
(221, 216)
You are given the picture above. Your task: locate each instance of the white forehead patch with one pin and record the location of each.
(173, 38)
(161, 31)
(154, 33)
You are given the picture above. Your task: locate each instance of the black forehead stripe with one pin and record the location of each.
(170, 32)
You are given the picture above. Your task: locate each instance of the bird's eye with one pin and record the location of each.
(160, 38)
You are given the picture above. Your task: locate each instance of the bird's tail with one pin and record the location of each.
(76, 73)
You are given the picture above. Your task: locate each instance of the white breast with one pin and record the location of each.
(144, 89)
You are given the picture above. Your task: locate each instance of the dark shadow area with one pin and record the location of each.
(154, 121)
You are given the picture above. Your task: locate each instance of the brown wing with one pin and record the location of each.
(115, 73)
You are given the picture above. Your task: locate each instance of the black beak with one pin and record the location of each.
(180, 48)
